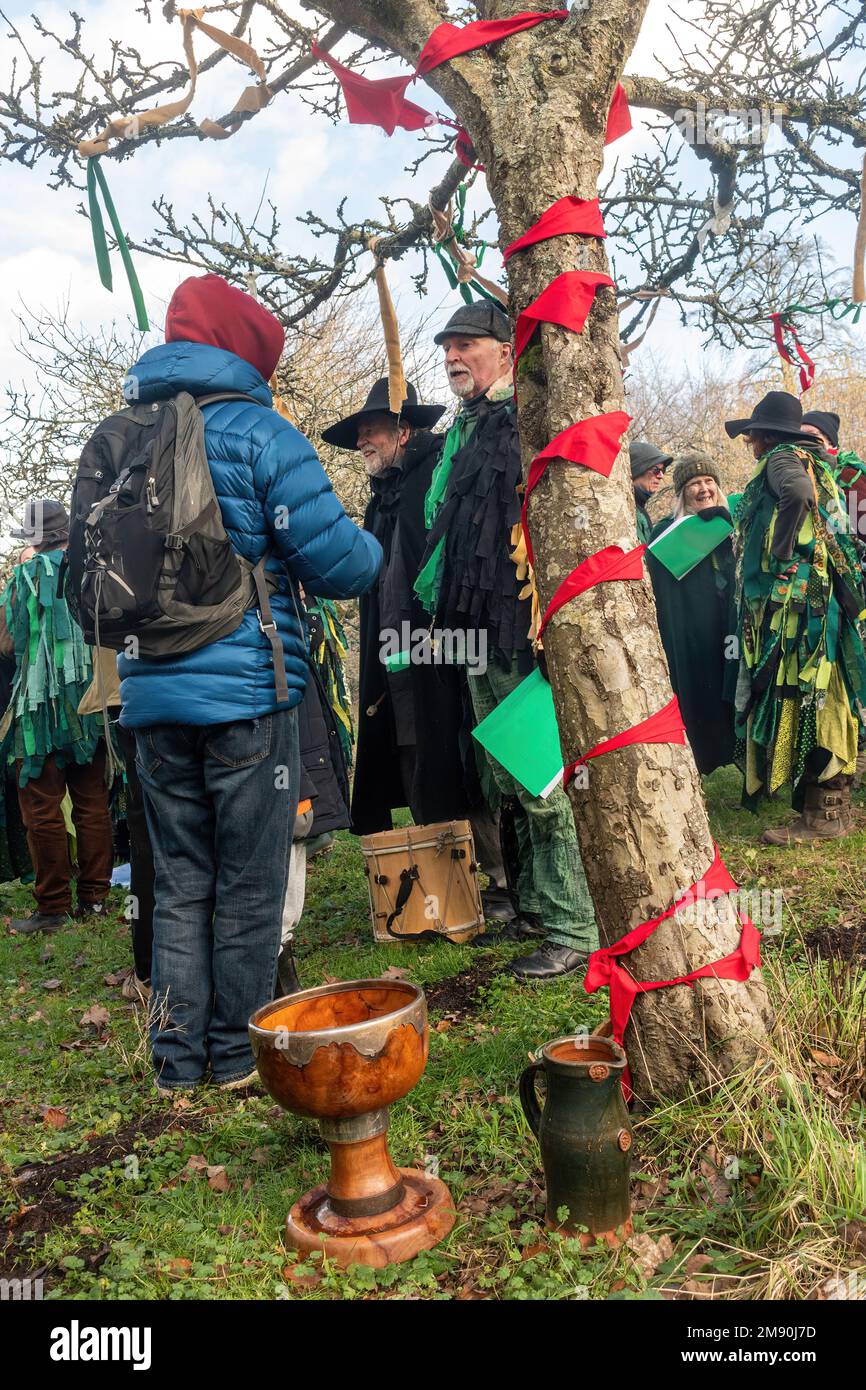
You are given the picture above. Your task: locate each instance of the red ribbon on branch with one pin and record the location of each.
(565, 216)
(382, 101)
(665, 726)
(601, 568)
(593, 442)
(807, 370)
(604, 967)
(566, 301)
(619, 115)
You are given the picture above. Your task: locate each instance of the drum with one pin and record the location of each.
(423, 879)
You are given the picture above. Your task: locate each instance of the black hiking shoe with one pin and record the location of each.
(549, 962)
(85, 909)
(47, 922)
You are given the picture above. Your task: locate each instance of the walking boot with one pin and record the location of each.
(550, 962)
(525, 926)
(826, 815)
(47, 922)
(859, 770)
(287, 974)
(497, 904)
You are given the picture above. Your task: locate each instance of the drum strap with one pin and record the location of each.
(408, 879)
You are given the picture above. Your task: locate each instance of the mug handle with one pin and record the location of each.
(528, 1098)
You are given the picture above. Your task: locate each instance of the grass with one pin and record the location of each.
(755, 1191)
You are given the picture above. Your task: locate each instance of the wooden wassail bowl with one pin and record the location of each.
(341, 1054)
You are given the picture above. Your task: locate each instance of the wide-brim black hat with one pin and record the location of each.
(344, 434)
(44, 520)
(778, 413)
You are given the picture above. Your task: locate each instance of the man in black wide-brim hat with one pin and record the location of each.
(410, 712)
(801, 692)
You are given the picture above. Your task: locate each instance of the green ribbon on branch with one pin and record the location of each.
(829, 306)
(95, 177)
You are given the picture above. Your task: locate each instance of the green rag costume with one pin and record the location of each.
(52, 671)
(802, 680)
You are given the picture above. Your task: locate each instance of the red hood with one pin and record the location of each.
(207, 309)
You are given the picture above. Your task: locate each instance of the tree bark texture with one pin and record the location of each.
(535, 108)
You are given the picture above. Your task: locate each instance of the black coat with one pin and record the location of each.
(323, 769)
(696, 615)
(421, 707)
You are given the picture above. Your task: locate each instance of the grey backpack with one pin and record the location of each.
(148, 556)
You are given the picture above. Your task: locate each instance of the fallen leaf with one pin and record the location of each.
(696, 1263)
(45, 956)
(853, 1233)
(196, 1163)
(649, 1253)
(217, 1178)
(331, 980)
(443, 1025)
(303, 1277)
(529, 1253)
(51, 984)
(178, 1266)
(117, 977)
(247, 1184)
(711, 1167)
(38, 1017)
(825, 1059)
(96, 1017)
(54, 1117)
(395, 972)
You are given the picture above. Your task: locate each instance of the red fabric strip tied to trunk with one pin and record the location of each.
(601, 568)
(567, 216)
(604, 967)
(665, 726)
(567, 301)
(593, 442)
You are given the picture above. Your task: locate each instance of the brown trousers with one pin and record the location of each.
(40, 802)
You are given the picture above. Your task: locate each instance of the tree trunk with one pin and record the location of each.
(535, 108)
(641, 820)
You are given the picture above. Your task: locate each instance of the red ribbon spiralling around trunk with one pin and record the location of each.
(566, 301)
(593, 442)
(665, 726)
(601, 568)
(807, 370)
(605, 969)
(451, 40)
(566, 215)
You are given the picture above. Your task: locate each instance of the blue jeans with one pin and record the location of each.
(221, 803)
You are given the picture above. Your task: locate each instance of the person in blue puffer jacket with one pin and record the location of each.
(217, 754)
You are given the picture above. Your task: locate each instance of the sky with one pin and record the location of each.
(304, 162)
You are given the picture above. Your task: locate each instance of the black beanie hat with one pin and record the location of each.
(827, 421)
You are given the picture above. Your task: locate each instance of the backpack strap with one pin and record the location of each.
(269, 628)
(266, 617)
(224, 396)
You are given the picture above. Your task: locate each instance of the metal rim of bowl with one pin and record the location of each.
(304, 1042)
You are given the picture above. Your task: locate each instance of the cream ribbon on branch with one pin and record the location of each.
(252, 98)
(396, 377)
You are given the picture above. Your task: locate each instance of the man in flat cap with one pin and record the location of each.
(469, 581)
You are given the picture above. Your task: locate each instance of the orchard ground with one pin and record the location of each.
(757, 1191)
